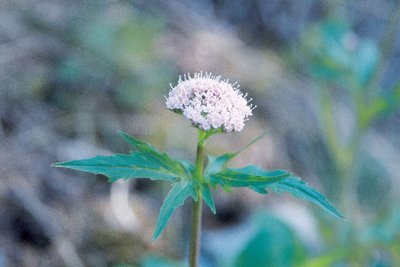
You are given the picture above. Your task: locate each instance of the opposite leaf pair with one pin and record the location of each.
(148, 162)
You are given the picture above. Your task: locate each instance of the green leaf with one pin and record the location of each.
(150, 152)
(176, 197)
(158, 261)
(273, 244)
(188, 165)
(208, 198)
(121, 166)
(300, 189)
(216, 164)
(247, 176)
(260, 190)
(391, 99)
(365, 61)
(329, 259)
(147, 162)
(380, 107)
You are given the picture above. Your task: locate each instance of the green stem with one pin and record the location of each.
(200, 156)
(194, 253)
(196, 233)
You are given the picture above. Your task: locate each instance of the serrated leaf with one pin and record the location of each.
(147, 162)
(188, 165)
(121, 166)
(247, 176)
(300, 189)
(226, 188)
(260, 190)
(208, 198)
(176, 197)
(216, 164)
(150, 152)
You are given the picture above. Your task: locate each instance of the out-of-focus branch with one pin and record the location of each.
(22, 195)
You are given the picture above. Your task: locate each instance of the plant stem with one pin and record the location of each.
(196, 232)
(200, 156)
(194, 254)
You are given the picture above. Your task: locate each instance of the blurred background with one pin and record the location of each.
(325, 76)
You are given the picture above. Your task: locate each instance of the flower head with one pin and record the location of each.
(209, 102)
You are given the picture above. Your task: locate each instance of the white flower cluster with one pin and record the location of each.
(209, 102)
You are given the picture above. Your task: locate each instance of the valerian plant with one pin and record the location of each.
(213, 106)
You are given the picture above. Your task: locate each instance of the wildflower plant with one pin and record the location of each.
(213, 106)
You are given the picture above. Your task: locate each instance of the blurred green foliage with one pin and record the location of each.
(344, 66)
(114, 54)
(273, 244)
(334, 53)
(335, 56)
(102, 52)
(341, 65)
(156, 261)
